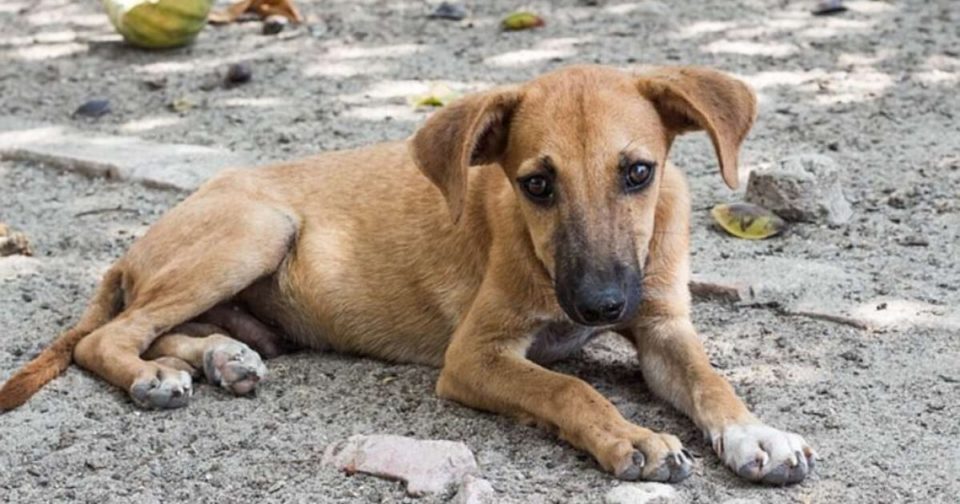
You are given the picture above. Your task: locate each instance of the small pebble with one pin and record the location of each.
(274, 25)
(155, 83)
(239, 73)
(94, 108)
(827, 7)
(447, 10)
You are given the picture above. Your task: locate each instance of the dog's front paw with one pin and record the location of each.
(763, 454)
(655, 457)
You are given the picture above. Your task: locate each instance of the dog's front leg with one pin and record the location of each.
(675, 366)
(485, 368)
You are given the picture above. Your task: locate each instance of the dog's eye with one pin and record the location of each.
(638, 176)
(538, 188)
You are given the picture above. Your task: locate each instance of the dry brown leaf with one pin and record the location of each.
(262, 8)
(12, 242)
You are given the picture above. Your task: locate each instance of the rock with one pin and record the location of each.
(95, 108)
(18, 266)
(791, 283)
(427, 466)
(827, 7)
(274, 24)
(711, 291)
(447, 10)
(641, 493)
(172, 166)
(155, 83)
(741, 501)
(475, 490)
(238, 73)
(803, 188)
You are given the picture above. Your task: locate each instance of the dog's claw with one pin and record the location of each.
(766, 455)
(633, 471)
(679, 467)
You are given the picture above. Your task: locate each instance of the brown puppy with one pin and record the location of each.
(558, 217)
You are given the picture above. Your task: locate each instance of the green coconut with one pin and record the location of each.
(158, 24)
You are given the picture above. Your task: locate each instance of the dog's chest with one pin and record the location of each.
(557, 340)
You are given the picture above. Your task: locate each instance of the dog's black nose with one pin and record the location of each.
(603, 308)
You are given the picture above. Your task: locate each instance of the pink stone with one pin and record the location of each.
(427, 466)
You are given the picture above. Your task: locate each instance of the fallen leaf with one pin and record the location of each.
(747, 221)
(262, 8)
(522, 21)
(439, 95)
(12, 242)
(182, 104)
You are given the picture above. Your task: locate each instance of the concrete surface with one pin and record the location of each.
(874, 88)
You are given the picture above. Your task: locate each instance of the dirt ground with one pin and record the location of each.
(876, 88)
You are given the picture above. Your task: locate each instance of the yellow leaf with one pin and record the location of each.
(747, 221)
(182, 104)
(439, 95)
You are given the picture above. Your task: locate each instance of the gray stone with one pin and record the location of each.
(641, 493)
(804, 188)
(18, 265)
(427, 466)
(475, 490)
(814, 289)
(793, 284)
(170, 166)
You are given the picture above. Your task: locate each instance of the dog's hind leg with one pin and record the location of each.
(224, 361)
(245, 328)
(201, 253)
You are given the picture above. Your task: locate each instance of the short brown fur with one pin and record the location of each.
(357, 252)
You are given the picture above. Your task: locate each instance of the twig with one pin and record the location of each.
(106, 210)
(837, 319)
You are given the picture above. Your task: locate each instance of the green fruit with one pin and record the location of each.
(522, 21)
(158, 24)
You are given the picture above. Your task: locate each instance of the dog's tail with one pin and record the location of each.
(53, 360)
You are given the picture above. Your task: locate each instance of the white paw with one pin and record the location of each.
(234, 366)
(760, 453)
(162, 387)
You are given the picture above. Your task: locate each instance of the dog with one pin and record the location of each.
(511, 228)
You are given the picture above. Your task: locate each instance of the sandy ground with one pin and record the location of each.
(876, 88)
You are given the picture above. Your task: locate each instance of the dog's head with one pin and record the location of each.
(584, 148)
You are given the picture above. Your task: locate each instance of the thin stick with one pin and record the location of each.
(106, 210)
(838, 319)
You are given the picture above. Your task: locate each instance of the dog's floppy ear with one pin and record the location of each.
(694, 98)
(470, 131)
